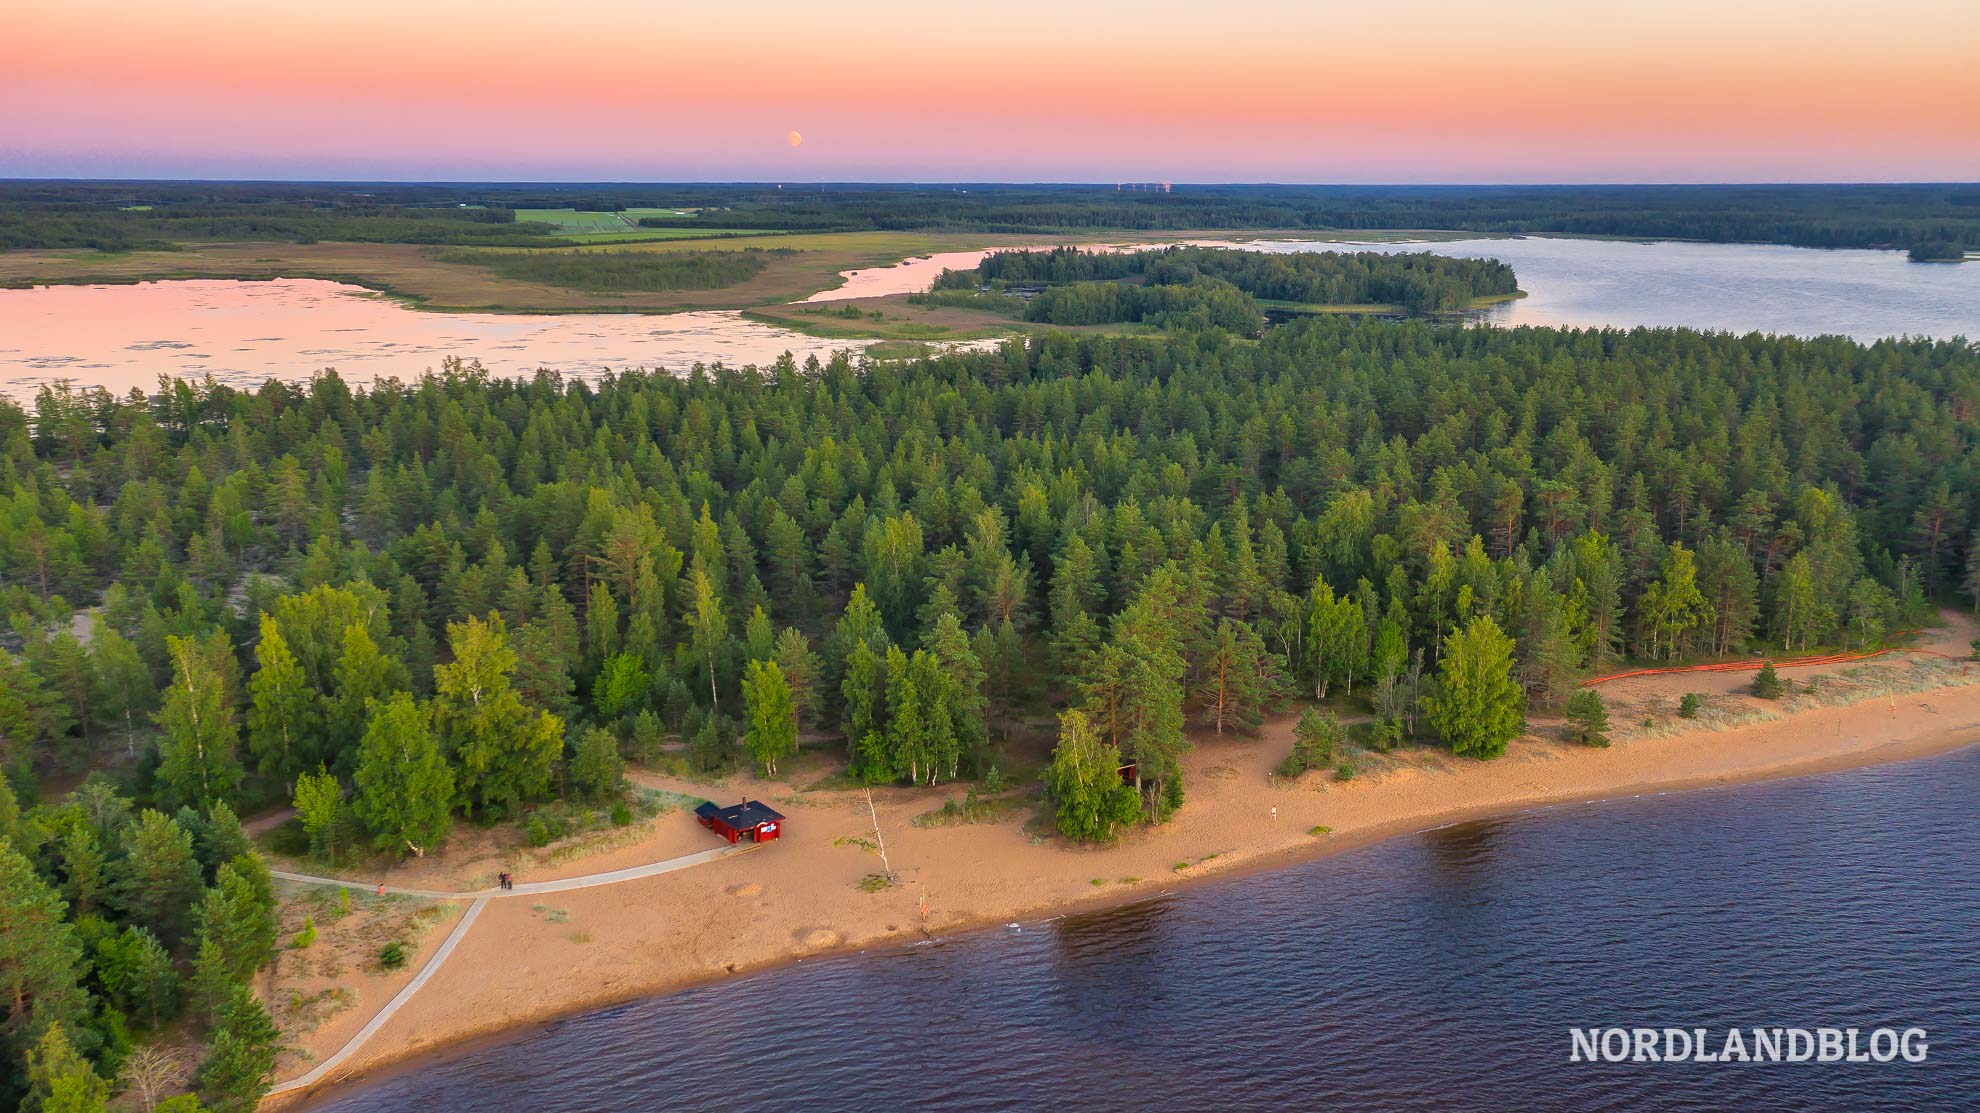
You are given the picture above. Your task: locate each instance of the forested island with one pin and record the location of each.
(1221, 286)
(454, 600)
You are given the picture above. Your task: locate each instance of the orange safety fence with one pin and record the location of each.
(1756, 666)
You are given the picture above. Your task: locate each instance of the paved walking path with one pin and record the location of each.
(480, 898)
(323, 1069)
(590, 880)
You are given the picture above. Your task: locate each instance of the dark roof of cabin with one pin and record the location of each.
(741, 817)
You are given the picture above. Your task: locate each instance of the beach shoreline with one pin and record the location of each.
(522, 970)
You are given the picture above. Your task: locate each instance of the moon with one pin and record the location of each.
(795, 139)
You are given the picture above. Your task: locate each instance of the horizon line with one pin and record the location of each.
(1039, 183)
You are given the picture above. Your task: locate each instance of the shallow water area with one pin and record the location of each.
(242, 333)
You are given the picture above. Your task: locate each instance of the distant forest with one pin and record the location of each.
(1938, 220)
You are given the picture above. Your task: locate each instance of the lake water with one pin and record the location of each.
(1580, 283)
(1732, 287)
(1439, 971)
(243, 332)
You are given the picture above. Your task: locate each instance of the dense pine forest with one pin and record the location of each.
(419, 604)
(1939, 220)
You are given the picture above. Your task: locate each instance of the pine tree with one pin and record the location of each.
(240, 1060)
(1315, 737)
(211, 981)
(1588, 718)
(39, 961)
(219, 839)
(136, 974)
(759, 637)
(801, 671)
(1548, 655)
(158, 880)
(597, 770)
(1230, 693)
(405, 791)
(543, 668)
(82, 861)
(29, 712)
(1767, 683)
(236, 918)
(1152, 719)
(1598, 569)
(68, 670)
(601, 624)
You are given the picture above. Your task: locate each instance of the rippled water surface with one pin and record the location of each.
(1439, 971)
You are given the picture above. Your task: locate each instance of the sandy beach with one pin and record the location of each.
(529, 960)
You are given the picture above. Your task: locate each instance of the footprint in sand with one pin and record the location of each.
(745, 889)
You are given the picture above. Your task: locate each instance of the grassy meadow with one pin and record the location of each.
(624, 226)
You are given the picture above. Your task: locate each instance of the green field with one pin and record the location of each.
(579, 224)
(572, 220)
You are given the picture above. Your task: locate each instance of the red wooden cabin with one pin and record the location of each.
(751, 819)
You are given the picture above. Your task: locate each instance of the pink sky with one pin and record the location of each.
(1017, 90)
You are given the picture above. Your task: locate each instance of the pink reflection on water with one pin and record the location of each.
(244, 332)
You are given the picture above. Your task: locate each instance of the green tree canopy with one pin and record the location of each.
(1476, 706)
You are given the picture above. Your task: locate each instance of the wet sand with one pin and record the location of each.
(528, 962)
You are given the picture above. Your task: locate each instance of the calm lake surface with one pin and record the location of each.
(1438, 971)
(1727, 287)
(244, 332)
